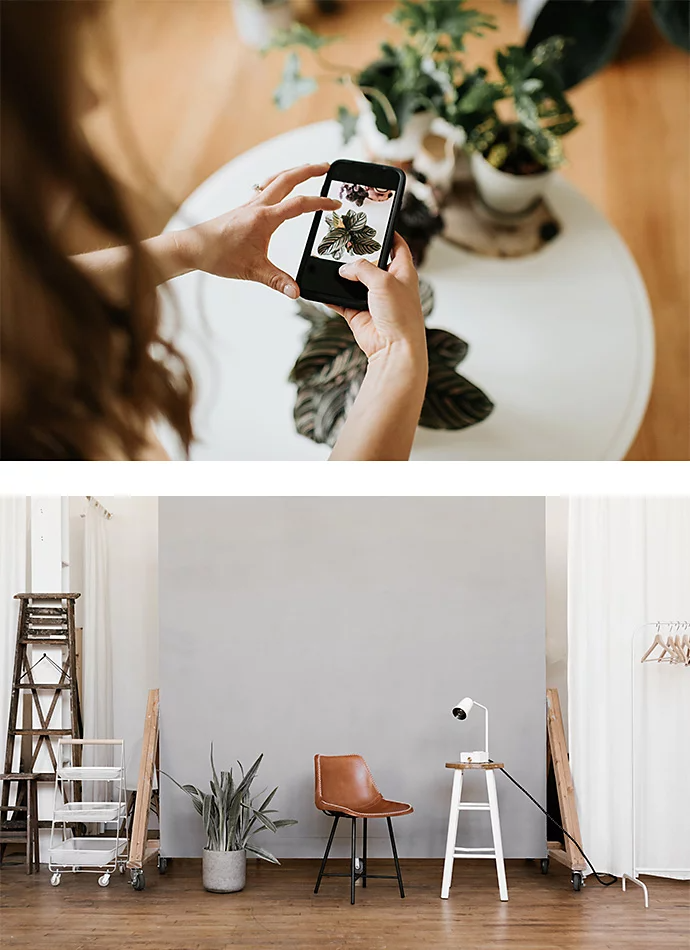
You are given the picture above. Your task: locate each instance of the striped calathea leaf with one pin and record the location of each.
(348, 232)
(331, 368)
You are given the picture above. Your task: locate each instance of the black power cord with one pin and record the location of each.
(533, 799)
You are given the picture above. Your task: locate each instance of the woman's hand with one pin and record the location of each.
(236, 243)
(394, 324)
(382, 422)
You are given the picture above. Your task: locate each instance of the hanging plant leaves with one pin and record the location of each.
(294, 85)
(348, 123)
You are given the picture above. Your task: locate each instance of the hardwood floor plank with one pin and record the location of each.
(278, 910)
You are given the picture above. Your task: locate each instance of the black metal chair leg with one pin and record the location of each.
(395, 857)
(353, 876)
(364, 854)
(325, 857)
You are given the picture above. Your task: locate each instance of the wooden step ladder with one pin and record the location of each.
(45, 621)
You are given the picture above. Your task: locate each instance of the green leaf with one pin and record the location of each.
(348, 123)
(441, 24)
(298, 35)
(294, 85)
(260, 853)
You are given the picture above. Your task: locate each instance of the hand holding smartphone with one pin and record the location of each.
(362, 229)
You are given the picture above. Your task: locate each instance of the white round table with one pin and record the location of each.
(562, 341)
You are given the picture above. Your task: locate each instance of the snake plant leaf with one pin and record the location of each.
(261, 853)
(348, 123)
(673, 19)
(294, 86)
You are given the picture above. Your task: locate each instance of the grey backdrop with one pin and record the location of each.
(291, 626)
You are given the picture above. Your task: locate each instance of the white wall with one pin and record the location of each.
(292, 626)
(133, 596)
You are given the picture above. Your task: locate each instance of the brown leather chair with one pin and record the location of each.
(344, 788)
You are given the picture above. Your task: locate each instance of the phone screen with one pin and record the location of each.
(358, 229)
(361, 229)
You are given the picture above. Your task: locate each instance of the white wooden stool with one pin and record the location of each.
(456, 806)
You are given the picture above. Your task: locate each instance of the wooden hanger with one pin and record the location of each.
(657, 642)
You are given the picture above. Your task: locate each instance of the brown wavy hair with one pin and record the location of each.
(82, 377)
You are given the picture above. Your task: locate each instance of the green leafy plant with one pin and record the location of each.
(348, 232)
(531, 141)
(413, 76)
(230, 814)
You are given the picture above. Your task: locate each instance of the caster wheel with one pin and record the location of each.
(55, 879)
(121, 869)
(577, 881)
(104, 880)
(162, 865)
(138, 880)
(544, 865)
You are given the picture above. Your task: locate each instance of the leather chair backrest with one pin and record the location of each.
(343, 781)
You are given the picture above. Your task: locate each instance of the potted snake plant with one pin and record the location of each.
(232, 818)
(397, 96)
(514, 155)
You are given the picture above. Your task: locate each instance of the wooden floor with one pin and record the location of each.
(279, 910)
(189, 97)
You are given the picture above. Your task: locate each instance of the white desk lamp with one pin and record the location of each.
(461, 711)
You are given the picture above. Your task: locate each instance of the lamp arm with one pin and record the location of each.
(486, 727)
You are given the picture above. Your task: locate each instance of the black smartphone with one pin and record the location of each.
(362, 228)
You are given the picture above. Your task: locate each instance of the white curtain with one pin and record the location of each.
(97, 662)
(629, 564)
(13, 552)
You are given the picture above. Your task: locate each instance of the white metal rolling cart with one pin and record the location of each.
(95, 855)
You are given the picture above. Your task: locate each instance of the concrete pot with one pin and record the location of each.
(224, 872)
(506, 193)
(257, 21)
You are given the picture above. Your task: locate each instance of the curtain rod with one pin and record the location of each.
(97, 503)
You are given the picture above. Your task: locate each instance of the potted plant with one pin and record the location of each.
(399, 94)
(231, 820)
(258, 20)
(513, 158)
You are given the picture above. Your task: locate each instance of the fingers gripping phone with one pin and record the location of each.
(362, 229)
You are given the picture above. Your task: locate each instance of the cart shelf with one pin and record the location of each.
(90, 811)
(87, 852)
(90, 773)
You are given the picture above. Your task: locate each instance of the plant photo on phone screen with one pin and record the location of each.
(357, 230)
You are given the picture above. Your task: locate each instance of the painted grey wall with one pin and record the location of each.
(291, 626)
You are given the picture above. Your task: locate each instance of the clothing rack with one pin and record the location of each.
(96, 503)
(663, 628)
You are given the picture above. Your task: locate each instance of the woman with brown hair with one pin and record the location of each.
(86, 371)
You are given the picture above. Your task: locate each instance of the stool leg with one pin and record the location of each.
(452, 832)
(326, 853)
(353, 853)
(496, 830)
(364, 853)
(395, 857)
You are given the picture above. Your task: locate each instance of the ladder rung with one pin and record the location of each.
(54, 640)
(489, 852)
(13, 808)
(474, 806)
(42, 686)
(40, 732)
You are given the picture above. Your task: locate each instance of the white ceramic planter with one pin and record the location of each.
(224, 872)
(400, 151)
(509, 194)
(257, 22)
